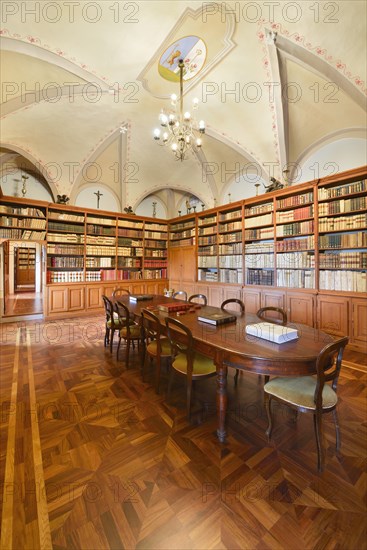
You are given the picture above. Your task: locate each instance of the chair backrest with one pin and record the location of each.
(199, 297)
(108, 307)
(120, 292)
(269, 314)
(124, 315)
(152, 328)
(181, 341)
(238, 304)
(180, 293)
(328, 367)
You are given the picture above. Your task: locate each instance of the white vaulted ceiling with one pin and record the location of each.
(75, 73)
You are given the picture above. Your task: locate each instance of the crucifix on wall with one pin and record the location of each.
(99, 195)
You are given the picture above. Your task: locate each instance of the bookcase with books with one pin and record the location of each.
(19, 222)
(207, 246)
(129, 249)
(65, 246)
(100, 248)
(295, 242)
(259, 243)
(182, 233)
(155, 250)
(230, 239)
(342, 230)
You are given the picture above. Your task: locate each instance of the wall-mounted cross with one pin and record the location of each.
(99, 195)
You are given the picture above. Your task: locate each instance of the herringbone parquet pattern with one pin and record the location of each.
(92, 458)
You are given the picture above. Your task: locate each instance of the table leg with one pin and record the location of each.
(221, 401)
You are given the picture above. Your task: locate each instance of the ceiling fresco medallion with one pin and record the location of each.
(191, 49)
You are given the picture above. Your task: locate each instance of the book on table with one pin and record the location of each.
(170, 307)
(140, 297)
(217, 317)
(272, 332)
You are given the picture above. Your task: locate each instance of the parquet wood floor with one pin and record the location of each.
(91, 458)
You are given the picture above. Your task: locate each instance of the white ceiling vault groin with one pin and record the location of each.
(282, 85)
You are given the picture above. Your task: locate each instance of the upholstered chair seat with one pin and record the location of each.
(300, 391)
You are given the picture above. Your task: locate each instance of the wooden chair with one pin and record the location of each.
(268, 314)
(180, 294)
(120, 292)
(311, 394)
(113, 324)
(130, 330)
(236, 302)
(201, 297)
(185, 361)
(156, 346)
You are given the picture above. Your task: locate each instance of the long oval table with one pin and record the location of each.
(229, 345)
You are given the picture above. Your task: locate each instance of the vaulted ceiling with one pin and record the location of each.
(81, 92)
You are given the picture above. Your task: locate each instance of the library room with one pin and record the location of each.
(183, 275)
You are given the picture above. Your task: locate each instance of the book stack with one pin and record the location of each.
(174, 306)
(140, 297)
(217, 318)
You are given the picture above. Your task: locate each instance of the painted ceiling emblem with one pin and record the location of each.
(189, 48)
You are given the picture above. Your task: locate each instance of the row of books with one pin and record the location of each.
(208, 220)
(230, 276)
(18, 211)
(296, 260)
(343, 260)
(35, 223)
(129, 262)
(101, 221)
(207, 261)
(182, 225)
(155, 273)
(65, 249)
(130, 223)
(212, 239)
(148, 263)
(259, 248)
(296, 228)
(230, 215)
(210, 250)
(295, 200)
(156, 253)
(99, 262)
(122, 232)
(259, 260)
(291, 278)
(260, 277)
(259, 234)
(344, 240)
(230, 237)
(70, 227)
(155, 244)
(155, 227)
(65, 276)
(343, 205)
(155, 235)
(119, 275)
(100, 250)
(127, 251)
(100, 230)
(65, 261)
(65, 238)
(231, 248)
(65, 216)
(349, 281)
(265, 219)
(182, 234)
(302, 243)
(183, 242)
(207, 230)
(101, 240)
(209, 276)
(259, 209)
(292, 215)
(233, 262)
(230, 226)
(348, 189)
(20, 234)
(343, 223)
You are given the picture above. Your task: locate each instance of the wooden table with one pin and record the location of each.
(229, 345)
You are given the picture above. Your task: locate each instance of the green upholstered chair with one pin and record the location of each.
(130, 330)
(180, 295)
(185, 361)
(199, 299)
(113, 324)
(311, 394)
(156, 346)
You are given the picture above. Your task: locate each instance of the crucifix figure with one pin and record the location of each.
(99, 195)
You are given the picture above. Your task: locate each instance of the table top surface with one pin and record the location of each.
(231, 345)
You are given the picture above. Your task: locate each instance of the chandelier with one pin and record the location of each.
(180, 126)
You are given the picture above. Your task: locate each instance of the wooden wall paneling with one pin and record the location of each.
(215, 295)
(271, 298)
(252, 299)
(57, 299)
(76, 297)
(359, 323)
(94, 296)
(333, 314)
(300, 308)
